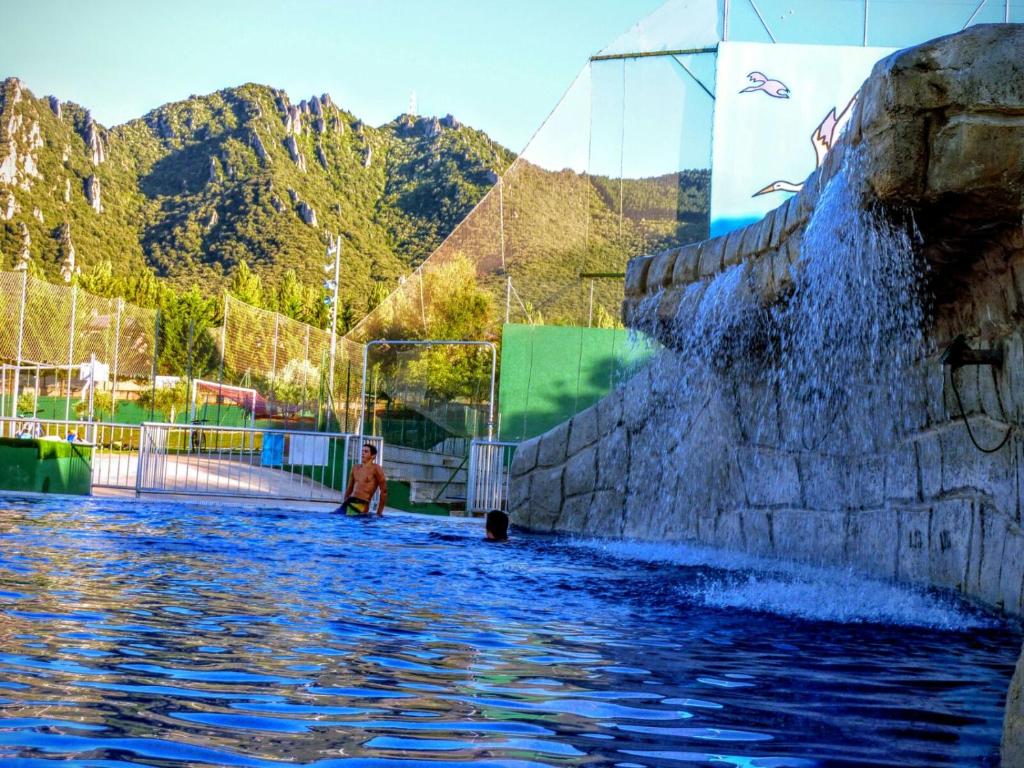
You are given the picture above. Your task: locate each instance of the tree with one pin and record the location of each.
(168, 400)
(27, 402)
(247, 286)
(103, 405)
(187, 346)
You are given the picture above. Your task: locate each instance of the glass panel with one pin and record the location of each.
(837, 22)
(901, 23)
(677, 25)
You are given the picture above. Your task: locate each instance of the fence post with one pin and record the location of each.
(117, 352)
(71, 350)
(141, 460)
(156, 354)
(223, 355)
(21, 338)
(273, 363)
(471, 478)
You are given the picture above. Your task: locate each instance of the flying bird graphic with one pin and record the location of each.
(774, 88)
(823, 139)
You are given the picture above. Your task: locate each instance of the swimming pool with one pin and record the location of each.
(139, 633)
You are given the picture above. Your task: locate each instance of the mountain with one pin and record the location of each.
(195, 188)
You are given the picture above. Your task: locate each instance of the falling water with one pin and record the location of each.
(827, 370)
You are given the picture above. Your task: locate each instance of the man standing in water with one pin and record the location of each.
(366, 479)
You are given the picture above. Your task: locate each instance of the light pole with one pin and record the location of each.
(333, 249)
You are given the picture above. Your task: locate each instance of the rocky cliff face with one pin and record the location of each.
(188, 190)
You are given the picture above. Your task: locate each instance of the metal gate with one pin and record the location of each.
(488, 480)
(198, 460)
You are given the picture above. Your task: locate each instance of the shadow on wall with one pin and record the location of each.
(549, 374)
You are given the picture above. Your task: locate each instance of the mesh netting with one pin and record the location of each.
(621, 167)
(287, 362)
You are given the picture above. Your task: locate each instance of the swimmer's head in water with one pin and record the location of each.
(496, 525)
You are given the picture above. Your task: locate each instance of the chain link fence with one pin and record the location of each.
(68, 354)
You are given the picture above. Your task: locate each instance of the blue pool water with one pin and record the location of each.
(168, 635)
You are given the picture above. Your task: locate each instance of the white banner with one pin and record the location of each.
(778, 109)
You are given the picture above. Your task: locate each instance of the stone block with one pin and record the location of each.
(728, 531)
(687, 267)
(872, 541)
(811, 536)
(828, 481)
(770, 477)
(966, 469)
(636, 275)
(760, 275)
(581, 472)
(912, 560)
(574, 514)
(553, 444)
(606, 514)
(868, 483)
(778, 230)
(949, 543)
(659, 274)
(750, 235)
(519, 494)
(731, 254)
(636, 407)
(1011, 576)
(710, 261)
(546, 499)
(583, 430)
(757, 531)
(613, 460)
(901, 474)
(987, 562)
(929, 463)
(766, 231)
(525, 458)
(609, 412)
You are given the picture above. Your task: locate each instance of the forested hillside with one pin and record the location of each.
(196, 189)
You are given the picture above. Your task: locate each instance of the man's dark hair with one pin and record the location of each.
(497, 524)
(372, 447)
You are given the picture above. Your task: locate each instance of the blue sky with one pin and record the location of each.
(498, 66)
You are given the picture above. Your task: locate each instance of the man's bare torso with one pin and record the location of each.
(367, 478)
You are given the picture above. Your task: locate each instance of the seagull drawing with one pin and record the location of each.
(774, 88)
(823, 139)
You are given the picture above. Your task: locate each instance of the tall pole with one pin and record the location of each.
(117, 351)
(333, 249)
(866, 23)
(725, 20)
(21, 338)
(224, 354)
(71, 349)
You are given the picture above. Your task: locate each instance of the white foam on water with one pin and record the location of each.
(795, 590)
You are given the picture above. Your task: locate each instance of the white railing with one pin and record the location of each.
(198, 460)
(487, 483)
(115, 457)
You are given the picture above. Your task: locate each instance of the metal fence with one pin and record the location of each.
(240, 462)
(51, 331)
(488, 481)
(60, 346)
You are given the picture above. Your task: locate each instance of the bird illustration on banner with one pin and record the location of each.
(774, 88)
(823, 139)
